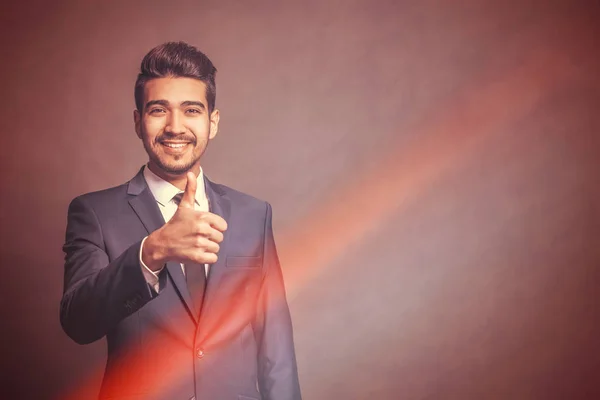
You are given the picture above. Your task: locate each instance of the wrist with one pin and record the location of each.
(152, 255)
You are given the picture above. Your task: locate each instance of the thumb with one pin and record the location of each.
(189, 195)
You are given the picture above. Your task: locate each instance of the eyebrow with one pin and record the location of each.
(186, 103)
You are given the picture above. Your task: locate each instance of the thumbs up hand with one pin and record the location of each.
(189, 195)
(189, 236)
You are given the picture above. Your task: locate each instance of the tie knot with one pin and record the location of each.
(177, 198)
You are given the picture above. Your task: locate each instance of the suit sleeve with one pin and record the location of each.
(277, 370)
(98, 293)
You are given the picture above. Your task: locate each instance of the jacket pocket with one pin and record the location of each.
(243, 262)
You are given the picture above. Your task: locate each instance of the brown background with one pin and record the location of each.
(432, 165)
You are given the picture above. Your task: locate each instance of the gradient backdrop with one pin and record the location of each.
(432, 165)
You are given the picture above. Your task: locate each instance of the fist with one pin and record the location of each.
(189, 236)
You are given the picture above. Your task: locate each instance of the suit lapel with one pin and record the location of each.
(176, 273)
(219, 204)
(144, 205)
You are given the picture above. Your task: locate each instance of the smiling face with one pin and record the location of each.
(175, 125)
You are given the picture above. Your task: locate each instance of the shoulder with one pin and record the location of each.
(112, 195)
(106, 194)
(235, 194)
(242, 201)
(102, 203)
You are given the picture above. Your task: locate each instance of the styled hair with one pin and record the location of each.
(176, 59)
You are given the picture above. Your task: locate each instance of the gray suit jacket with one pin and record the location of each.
(240, 347)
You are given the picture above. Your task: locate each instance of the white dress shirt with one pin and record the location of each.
(163, 193)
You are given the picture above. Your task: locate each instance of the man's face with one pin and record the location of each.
(174, 124)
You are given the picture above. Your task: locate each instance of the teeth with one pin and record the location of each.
(175, 145)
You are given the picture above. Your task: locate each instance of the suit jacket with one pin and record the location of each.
(239, 347)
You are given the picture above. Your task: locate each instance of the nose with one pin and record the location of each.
(175, 124)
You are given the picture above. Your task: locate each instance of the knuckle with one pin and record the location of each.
(206, 230)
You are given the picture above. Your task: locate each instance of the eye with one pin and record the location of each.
(156, 111)
(193, 111)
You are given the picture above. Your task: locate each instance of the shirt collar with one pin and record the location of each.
(164, 191)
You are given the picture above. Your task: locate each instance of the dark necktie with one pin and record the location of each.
(195, 275)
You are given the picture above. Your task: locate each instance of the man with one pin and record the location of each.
(179, 273)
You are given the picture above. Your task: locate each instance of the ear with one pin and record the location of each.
(137, 120)
(214, 124)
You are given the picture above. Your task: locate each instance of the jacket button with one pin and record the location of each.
(199, 353)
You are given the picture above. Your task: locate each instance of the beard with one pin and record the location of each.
(174, 164)
(173, 168)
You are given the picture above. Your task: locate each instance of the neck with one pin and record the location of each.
(177, 180)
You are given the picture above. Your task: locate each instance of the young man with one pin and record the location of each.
(179, 273)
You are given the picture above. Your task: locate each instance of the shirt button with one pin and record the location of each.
(199, 353)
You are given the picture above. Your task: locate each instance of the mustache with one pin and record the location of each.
(164, 138)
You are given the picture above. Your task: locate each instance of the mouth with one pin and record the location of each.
(174, 147)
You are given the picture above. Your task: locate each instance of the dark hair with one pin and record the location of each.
(177, 59)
